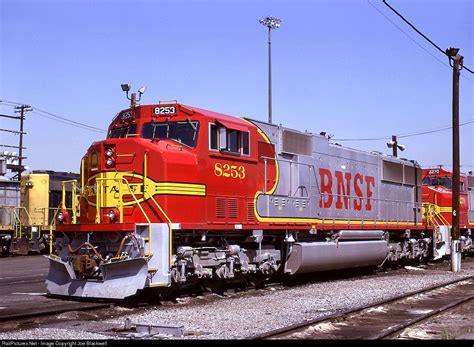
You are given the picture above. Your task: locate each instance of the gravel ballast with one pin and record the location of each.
(241, 315)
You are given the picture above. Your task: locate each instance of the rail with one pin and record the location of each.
(51, 225)
(14, 216)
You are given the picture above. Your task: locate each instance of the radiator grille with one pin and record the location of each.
(297, 143)
(233, 207)
(220, 207)
(250, 212)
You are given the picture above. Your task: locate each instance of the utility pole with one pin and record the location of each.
(22, 110)
(455, 61)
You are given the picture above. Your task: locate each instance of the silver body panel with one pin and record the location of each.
(396, 189)
(9, 201)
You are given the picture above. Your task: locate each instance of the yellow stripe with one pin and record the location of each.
(180, 185)
(179, 192)
(156, 188)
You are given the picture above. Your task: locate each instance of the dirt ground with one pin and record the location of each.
(456, 324)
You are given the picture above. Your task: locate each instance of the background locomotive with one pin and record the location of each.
(27, 209)
(437, 202)
(178, 195)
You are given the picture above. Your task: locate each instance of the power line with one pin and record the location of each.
(67, 123)
(57, 118)
(418, 133)
(404, 33)
(423, 35)
(414, 41)
(435, 130)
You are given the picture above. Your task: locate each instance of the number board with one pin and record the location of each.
(127, 115)
(165, 110)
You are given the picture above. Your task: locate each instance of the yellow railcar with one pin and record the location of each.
(27, 220)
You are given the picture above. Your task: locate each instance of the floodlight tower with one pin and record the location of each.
(271, 23)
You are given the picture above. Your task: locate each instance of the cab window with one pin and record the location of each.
(228, 140)
(185, 133)
(128, 131)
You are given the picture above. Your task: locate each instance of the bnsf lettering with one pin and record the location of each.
(345, 182)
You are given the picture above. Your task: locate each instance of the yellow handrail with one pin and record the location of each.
(100, 194)
(53, 222)
(73, 198)
(169, 223)
(145, 190)
(433, 216)
(150, 254)
(120, 181)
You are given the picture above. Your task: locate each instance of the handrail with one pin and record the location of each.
(53, 222)
(73, 198)
(433, 216)
(15, 218)
(150, 254)
(120, 181)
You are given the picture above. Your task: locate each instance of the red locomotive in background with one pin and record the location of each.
(437, 190)
(177, 195)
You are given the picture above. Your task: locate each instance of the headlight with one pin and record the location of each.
(109, 152)
(110, 162)
(60, 216)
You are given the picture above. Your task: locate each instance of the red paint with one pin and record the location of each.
(369, 180)
(344, 184)
(358, 180)
(343, 191)
(434, 192)
(326, 188)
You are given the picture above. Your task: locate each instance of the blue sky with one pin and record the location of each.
(338, 66)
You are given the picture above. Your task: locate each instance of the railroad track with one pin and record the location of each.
(383, 319)
(51, 310)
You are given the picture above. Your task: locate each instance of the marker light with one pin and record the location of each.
(63, 217)
(114, 215)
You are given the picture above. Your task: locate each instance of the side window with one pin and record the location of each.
(213, 136)
(233, 141)
(245, 143)
(228, 140)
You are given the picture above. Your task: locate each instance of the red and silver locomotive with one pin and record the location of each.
(437, 198)
(178, 195)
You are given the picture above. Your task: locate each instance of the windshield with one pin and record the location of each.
(446, 182)
(123, 132)
(181, 132)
